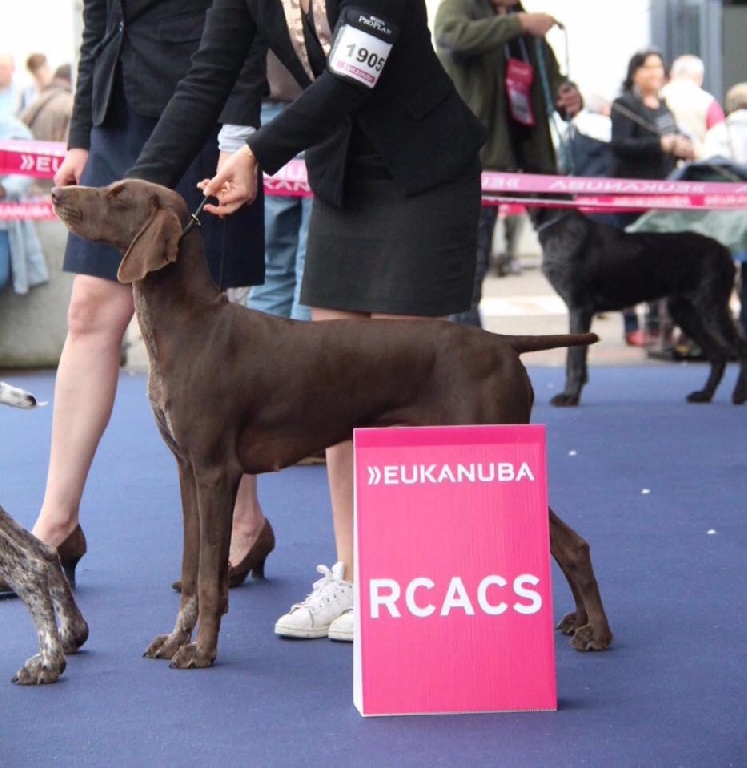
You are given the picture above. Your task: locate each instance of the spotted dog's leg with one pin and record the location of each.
(33, 589)
(73, 627)
(33, 571)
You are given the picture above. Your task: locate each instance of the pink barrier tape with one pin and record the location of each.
(41, 159)
(35, 210)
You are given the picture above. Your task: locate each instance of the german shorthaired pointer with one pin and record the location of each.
(237, 391)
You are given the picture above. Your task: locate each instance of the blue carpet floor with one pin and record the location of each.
(657, 486)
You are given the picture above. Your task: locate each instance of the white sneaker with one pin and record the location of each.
(342, 629)
(328, 600)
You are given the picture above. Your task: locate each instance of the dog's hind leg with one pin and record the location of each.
(687, 317)
(576, 369)
(738, 345)
(588, 624)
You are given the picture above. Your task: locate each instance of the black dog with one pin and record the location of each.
(597, 268)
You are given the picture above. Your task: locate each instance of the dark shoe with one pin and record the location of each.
(70, 552)
(254, 560)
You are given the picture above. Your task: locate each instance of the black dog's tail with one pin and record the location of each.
(539, 343)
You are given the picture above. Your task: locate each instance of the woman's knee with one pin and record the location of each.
(99, 307)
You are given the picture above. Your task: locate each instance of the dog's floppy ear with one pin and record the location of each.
(155, 246)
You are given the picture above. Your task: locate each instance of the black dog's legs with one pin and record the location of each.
(738, 344)
(685, 316)
(576, 370)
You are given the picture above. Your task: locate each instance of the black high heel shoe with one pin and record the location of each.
(253, 562)
(70, 552)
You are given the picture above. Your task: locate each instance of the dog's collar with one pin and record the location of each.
(194, 219)
(546, 225)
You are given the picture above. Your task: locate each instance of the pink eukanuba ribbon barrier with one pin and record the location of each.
(42, 159)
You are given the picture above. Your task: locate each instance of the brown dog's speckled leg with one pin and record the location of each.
(588, 624)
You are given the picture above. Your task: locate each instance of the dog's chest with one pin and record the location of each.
(157, 389)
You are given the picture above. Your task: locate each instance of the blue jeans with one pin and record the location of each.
(286, 230)
(4, 259)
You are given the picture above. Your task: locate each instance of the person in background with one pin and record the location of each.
(694, 109)
(646, 144)
(22, 262)
(48, 117)
(502, 66)
(132, 56)
(38, 67)
(286, 220)
(10, 96)
(729, 140)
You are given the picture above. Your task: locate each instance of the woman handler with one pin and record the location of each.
(392, 159)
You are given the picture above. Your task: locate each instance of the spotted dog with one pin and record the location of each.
(32, 569)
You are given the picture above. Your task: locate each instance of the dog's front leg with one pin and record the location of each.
(588, 624)
(216, 495)
(49, 663)
(576, 371)
(73, 627)
(166, 646)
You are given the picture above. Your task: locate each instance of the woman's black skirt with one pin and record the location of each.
(388, 253)
(234, 246)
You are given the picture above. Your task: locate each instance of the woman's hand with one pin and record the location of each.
(72, 167)
(536, 24)
(234, 183)
(569, 99)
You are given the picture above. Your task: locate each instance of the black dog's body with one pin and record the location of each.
(596, 268)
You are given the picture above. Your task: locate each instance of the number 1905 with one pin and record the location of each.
(364, 56)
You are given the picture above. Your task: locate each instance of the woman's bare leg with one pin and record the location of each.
(85, 388)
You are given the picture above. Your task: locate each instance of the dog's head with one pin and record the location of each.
(142, 220)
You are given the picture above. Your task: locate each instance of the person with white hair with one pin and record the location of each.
(729, 138)
(694, 109)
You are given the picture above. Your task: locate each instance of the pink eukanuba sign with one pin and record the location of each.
(454, 598)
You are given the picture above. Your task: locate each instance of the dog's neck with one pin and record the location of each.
(175, 297)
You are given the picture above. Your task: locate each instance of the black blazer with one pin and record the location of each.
(413, 116)
(151, 42)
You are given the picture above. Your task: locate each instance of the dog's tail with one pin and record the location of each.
(540, 343)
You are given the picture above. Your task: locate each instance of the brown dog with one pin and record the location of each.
(237, 391)
(33, 571)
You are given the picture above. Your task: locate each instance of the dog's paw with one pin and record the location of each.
(163, 647)
(190, 657)
(699, 397)
(38, 672)
(565, 401)
(570, 623)
(587, 638)
(74, 636)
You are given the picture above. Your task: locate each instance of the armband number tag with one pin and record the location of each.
(358, 56)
